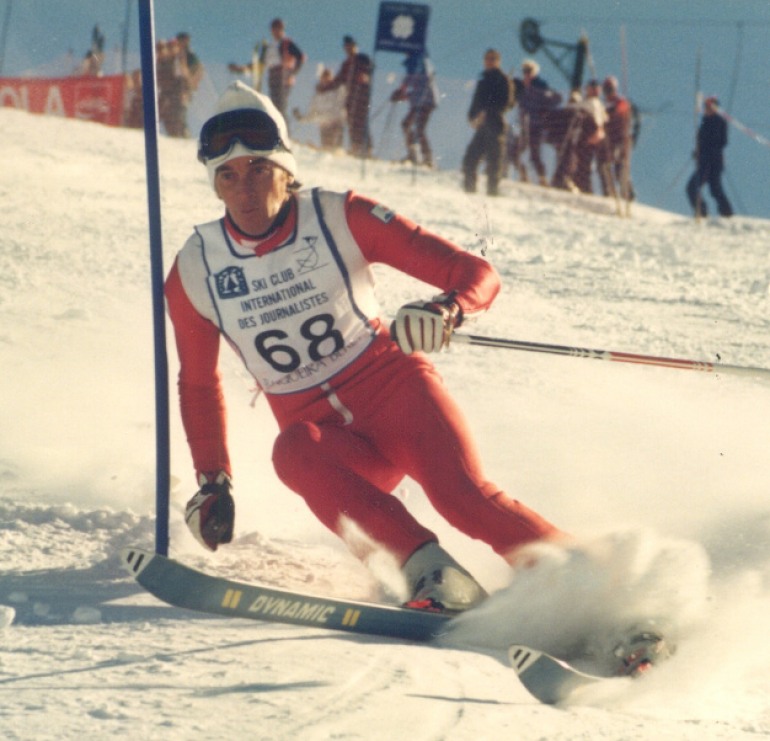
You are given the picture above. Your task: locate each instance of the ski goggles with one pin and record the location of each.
(253, 128)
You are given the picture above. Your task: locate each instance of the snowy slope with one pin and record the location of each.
(661, 472)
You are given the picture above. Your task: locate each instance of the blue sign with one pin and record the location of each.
(402, 27)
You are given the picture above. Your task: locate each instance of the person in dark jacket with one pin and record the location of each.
(712, 139)
(492, 98)
(536, 102)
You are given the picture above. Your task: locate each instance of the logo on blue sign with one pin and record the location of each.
(402, 27)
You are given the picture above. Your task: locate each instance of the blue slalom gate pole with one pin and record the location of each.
(163, 478)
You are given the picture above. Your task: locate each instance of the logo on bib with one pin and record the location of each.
(231, 283)
(307, 257)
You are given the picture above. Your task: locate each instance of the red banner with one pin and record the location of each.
(90, 98)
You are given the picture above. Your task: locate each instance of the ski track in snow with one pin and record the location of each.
(662, 474)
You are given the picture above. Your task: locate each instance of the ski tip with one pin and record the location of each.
(135, 560)
(548, 679)
(521, 658)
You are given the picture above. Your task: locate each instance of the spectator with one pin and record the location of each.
(355, 74)
(591, 136)
(536, 100)
(91, 66)
(181, 75)
(283, 60)
(165, 53)
(709, 157)
(419, 89)
(615, 153)
(492, 98)
(564, 131)
(327, 109)
(134, 109)
(255, 67)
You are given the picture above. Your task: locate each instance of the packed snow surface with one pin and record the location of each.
(661, 475)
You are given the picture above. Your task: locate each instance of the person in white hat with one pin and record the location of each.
(284, 276)
(535, 99)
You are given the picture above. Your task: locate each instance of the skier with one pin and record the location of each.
(712, 139)
(419, 88)
(285, 278)
(493, 96)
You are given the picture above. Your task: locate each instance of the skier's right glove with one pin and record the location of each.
(426, 325)
(210, 514)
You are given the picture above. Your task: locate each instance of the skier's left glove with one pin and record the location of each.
(426, 325)
(210, 514)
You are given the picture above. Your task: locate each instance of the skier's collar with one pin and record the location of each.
(253, 240)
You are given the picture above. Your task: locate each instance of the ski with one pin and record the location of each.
(182, 586)
(546, 678)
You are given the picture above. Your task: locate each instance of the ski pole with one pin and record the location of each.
(610, 355)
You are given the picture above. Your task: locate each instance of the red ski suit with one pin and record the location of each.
(344, 445)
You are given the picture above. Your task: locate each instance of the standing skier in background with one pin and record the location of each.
(709, 156)
(419, 89)
(285, 277)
